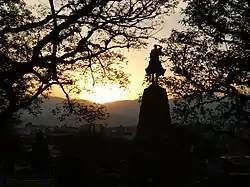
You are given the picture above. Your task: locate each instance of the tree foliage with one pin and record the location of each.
(81, 111)
(210, 63)
(41, 49)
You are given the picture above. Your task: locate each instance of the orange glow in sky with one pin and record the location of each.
(105, 94)
(138, 61)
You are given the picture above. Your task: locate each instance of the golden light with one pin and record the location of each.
(105, 93)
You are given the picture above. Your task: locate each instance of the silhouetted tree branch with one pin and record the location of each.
(210, 62)
(38, 51)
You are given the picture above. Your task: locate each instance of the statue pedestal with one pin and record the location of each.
(154, 118)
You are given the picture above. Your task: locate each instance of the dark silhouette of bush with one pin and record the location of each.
(40, 158)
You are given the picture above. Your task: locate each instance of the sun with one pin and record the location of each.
(105, 93)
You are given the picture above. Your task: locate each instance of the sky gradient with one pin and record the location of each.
(138, 61)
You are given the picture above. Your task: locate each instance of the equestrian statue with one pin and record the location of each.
(155, 68)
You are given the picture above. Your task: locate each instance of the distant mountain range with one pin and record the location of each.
(123, 113)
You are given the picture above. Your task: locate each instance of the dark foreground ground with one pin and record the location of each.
(91, 160)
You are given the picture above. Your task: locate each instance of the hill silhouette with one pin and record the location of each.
(123, 113)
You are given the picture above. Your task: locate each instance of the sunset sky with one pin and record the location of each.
(138, 61)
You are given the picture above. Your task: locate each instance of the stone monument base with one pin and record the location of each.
(154, 118)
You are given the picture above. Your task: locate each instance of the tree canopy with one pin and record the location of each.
(42, 48)
(210, 63)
